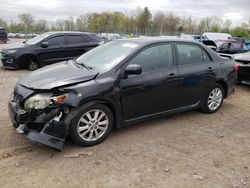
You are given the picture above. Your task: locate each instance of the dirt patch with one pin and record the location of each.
(183, 150)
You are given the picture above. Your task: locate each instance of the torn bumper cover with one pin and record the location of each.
(40, 126)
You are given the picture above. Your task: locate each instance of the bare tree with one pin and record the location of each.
(158, 21)
(59, 24)
(227, 25)
(28, 20)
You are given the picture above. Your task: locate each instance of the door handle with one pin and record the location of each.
(172, 75)
(210, 69)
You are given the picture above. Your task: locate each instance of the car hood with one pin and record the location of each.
(58, 75)
(14, 46)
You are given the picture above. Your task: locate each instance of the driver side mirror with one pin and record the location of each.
(44, 44)
(133, 69)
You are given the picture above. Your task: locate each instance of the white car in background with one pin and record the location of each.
(217, 36)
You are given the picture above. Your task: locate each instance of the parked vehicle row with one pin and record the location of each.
(116, 84)
(48, 48)
(22, 35)
(221, 42)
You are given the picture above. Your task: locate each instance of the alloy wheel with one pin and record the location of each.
(215, 98)
(92, 125)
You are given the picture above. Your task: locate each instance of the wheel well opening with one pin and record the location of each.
(24, 60)
(224, 85)
(110, 106)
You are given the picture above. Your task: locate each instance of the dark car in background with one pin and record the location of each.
(3, 35)
(48, 48)
(243, 61)
(229, 46)
(116, 84)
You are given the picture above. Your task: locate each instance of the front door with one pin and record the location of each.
(155, 89)
(54, 52)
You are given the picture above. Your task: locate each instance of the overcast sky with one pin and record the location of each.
(236, 10)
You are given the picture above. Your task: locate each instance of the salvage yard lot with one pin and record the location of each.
(184, 150)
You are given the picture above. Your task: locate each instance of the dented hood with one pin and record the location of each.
(58, 75)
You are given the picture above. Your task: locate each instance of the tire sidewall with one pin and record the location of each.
(74, 123)
(31, 65)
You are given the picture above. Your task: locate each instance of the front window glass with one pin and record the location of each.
(154, 58)
(56, 41)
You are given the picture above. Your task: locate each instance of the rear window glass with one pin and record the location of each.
(189, 53)
(76, 39)
(236, 45)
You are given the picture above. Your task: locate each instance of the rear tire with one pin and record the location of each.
(91, 125)
(213, 100)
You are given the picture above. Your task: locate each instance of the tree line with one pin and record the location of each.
(137, 22)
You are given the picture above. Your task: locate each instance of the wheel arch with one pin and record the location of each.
(23, 58)
(224, 85)
(75, 110)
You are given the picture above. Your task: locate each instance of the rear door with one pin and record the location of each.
(196, 73)
(76, 44)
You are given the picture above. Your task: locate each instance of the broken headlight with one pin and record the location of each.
(41, 101)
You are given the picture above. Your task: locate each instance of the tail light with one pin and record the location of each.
(236, 67)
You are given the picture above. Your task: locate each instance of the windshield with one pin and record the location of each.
(106, 56)
(37, 39)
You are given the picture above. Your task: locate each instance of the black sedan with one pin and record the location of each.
(116, 84)
(48, 48)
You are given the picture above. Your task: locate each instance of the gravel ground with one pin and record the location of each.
(183, 150)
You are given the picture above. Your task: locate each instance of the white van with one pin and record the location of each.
(217, 36)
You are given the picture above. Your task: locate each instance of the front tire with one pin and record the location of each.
(91, 125)
(33, 65)
(213, 100)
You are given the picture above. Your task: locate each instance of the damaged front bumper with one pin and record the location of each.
(40, 126)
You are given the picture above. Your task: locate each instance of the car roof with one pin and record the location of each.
(66, 32)
(151, 40)
(143, 41)
(231, 40)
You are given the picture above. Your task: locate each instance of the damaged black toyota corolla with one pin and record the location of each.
(116, 84)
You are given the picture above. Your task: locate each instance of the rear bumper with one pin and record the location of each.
(244, 73)
(51, 133)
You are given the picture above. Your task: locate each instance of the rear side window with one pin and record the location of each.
(154, 58)
(189, 54)
(235, 45)
(76, 39)
(56, 41)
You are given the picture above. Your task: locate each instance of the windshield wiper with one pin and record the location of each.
(82, 64)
